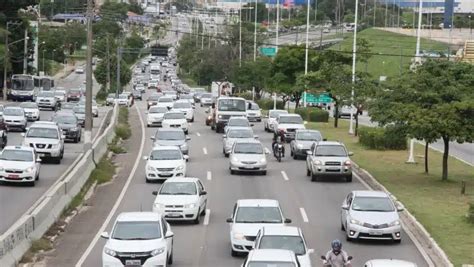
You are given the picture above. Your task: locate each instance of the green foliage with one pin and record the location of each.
(50, 8)
(100, 73)
(248, 12)
(389, 138)
(313, 114)
(267, 104)
(123, 130)
(470, 212)
(133, 43)
(252, 74)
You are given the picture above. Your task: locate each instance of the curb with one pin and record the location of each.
(427, 246)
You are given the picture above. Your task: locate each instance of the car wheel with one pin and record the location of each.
(57, 160)
(232, 172)
(264, 172)
(314, 177)
(342, 227)
(234, 253)
(308, 172)
(397, 241)
(198, 219)
(295, 156)
(192, 120)
(349, 239)
(170, 259)
(147, 180)
(37, 177)
(349, 178)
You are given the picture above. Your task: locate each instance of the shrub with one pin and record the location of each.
(389, 138)
(246, 95)
(313, 114)
(123, 131)
(470, 213)
(268, 104)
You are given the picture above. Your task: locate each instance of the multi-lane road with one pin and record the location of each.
(15, 199)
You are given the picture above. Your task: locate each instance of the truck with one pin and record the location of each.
(226, 89)
(224, 108)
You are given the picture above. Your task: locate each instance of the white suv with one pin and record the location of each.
(47, 99)
(287, 124)
(19, 164)
(138, 239)
(47, 140)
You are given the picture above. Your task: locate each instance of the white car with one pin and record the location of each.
(206, 99)
(138, 239)
(248, 156)
(175, 119)
(236, 134)
(155, 115)
(237, 122)
(345, 111)
(19, 164)
(47, 99)
(371, 215)
(110, 100)
(141, 88)
(60, 95)
(389, 263)
(272, 116)
(185, 107)
(271, 258)
(32, 112)
(14, 118)
(249, 216)
(165, 101)
(181, 199)
(47, 139)
(123, 100)
(79, 70)
(188, 97)
(95, 109)
(287, 124)
(287, 238)
(165, 162)
(254, 112)
(153, 84)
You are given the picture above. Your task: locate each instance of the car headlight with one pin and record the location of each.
(395, 223)
(159, 206)
(239, 236)
(157, 251)
(150, 168)
(220, 117)
(263, 160)
(190, 206)
(354, 221)
(55, 146)
(110, 252)
(74, 129)
(30, 169)
(300, 146)
(317, 162)
(234, 160)
(180, 168)
(183, 146)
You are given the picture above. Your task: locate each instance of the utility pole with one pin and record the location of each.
(25, 53)
(107, 88)
(255, 34)
(88, 121)
(5, 61)
(354, 54)
(277, 25)
(119, 58)
(240, 33)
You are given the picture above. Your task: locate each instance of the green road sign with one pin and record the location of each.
(322, 98)
(268, 51)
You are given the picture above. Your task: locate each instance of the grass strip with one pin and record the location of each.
(437, 205)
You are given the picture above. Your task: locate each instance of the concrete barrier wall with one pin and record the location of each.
(47, 210)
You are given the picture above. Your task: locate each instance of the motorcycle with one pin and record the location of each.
(278, 151)
(327, 264)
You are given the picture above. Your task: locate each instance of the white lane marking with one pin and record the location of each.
(198, 134)
(120, 197)
(207, 217)
(283, 173)
(204, 150)
(303, 214)
(209, 175)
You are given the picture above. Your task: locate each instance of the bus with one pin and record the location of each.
(24, 87)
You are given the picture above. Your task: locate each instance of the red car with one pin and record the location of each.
(74, 95)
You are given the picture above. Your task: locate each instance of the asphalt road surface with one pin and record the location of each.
(16, 199)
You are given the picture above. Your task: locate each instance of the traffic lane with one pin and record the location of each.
(321, 202)
(16, 199)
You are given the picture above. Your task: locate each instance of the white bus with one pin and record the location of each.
(24, 87)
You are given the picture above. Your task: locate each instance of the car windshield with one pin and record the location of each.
(170, 135)
(16, 155)
(293, 243)
(276, 113)
(381, 204)
(270, 264)
(65, 119)
(165, 99)
(238, 122)
(240, 134)
(254, 106)
(331, 151)
(38, 132)
(157, 110)
(137, 230)
(28, 105)
(231, 105)
(291, 120)
(178, 188)
(173, 116)
(182, 105)
(171, 154)
(309, 136)
(250, 148)
(123, 96)
(185, 97)
(258, 215)
(79, 109)
(58, 93)
(75, 91)
(206, 95)
(13, 112)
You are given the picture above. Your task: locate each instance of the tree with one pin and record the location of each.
(434, 102)
(252, 74)
(133, 44)
(100, 73)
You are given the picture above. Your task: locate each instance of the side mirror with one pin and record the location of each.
(251, 125)
(155, 193)
(310, 251)
(188, 138)
(350, 153)
(186, 157)
(213, 105)
(203, 193)
(152, 138)
(145, 157)
(105, 235)
(38, 160)
(267, 151)
(345, 207)
(287, 220)
(255, 136)
(325, 139)
(229, 220)
(207, 111)
(349, 258)
(309, 153)
(224, 136)
(63, 136)
(400, 207)
(169, 234)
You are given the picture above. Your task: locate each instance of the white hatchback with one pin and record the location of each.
(154, 116)
(138, 239)
(19, 164)
(165, 162)
(181, 199)
(175, 119)
(271, 258)
(389, 263)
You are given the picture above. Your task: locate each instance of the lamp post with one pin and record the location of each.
(354, 51)
(255, 34)
(43, 61)
(277, 24)
(52, 58)
(240, 33)
(470, 27)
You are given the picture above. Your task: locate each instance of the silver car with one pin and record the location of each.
(236, 134)
(272, 116)
(330, 159)
(172, 137)
(303, 141)
(249, 156)
(371, 215)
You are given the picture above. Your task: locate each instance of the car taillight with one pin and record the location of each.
(347, 163)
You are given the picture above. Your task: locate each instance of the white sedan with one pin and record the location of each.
(19, 164)
(175, 119)
(187, 196)
(123, 100)
(185, 107)
(165, 162)
(79, 70)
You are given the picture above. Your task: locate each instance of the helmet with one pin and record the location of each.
(336, 245)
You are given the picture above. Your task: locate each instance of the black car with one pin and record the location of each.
(137, 94)
(69, 124)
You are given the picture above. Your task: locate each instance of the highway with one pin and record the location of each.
(16, 199)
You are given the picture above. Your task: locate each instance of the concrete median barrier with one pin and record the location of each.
(47, 210)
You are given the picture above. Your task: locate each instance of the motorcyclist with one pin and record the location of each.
(277, 139)
(336, 257)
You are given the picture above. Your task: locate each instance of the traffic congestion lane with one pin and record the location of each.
(315, 207)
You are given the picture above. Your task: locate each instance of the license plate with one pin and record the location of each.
(13, 176)
(174, 215)
(333, 168)
(133, 262)
(41, 154)
(375, 233)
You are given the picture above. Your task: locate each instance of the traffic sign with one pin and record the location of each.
(268, 51)
(322, 98)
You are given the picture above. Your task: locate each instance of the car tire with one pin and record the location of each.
(203, 212)
(232, 172)
(234, 253)
(170, 258)
(192, 120)
(198, 219)
(397, 241)
(37, 177)
(349, 178)
(57, 160)
(77, 139)
(349, 239)
(342, 227)
(308, 172)
(147, 180)
(314, 177)
(264, 172)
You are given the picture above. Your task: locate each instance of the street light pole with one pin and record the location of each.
(277, 25)
(306, 50)
(43, 62)
(25, 53)
(240, 34)
(5, 60)
(470, 28)
(255, 34)
(88, 121)
(354, 55)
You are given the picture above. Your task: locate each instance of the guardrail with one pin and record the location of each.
(38, 219)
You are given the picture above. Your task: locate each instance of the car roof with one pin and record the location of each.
(19, 148)
(389, 263)
(166, 148)
(170, 130)
(44, 124)
(181, 101)
(368, 193)
(271, 255)
(329, 143)
(181, 180)
(289, 115)
(239, 128)
(13, 107)
(307, 130)
(278, 110)
(238, 118)
(253, 141)
(139, 216)
(281, 230)
(257, 203)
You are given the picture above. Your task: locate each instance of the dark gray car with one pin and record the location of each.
(171, 137)
(303, 141)
(69, 125)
